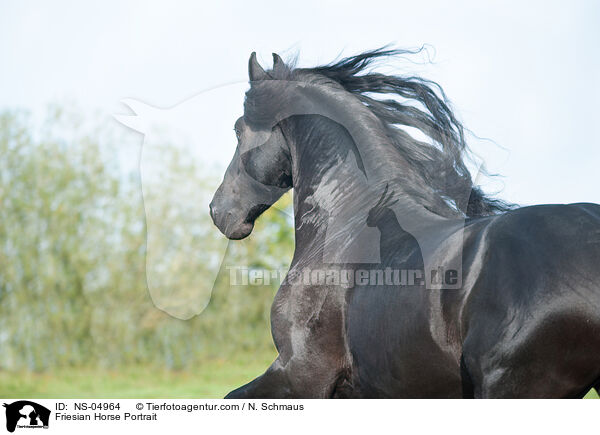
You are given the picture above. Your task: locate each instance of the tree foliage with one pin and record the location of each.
(72, 254)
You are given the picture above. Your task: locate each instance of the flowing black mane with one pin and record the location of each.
(439, 163)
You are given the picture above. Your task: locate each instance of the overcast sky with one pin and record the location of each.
(525, 74)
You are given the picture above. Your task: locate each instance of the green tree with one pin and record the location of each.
(72, 254)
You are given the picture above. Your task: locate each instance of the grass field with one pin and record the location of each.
(212, 379)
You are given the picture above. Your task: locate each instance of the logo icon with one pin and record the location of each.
(26, 414)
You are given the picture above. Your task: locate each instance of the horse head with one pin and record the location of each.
(259, 173)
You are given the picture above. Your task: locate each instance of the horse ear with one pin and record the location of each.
(279, 66)
(255, 71)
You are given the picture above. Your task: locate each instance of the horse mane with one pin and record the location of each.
(439, 163)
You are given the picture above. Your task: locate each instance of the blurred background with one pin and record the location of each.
(76, 316)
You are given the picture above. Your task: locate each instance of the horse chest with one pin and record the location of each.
(309, 320)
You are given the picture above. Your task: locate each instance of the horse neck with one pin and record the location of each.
(323, 147)
(328, 178)
(342, 161)
(345, 123)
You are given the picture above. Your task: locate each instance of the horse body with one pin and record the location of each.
(533, 332)
(524, 318)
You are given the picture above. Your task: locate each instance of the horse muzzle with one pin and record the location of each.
(229, 224)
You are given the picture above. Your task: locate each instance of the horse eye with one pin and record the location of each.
(237, 133)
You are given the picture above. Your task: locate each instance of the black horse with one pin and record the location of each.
(517, 311)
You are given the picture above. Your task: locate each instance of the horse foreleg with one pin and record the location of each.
(272, 384)
(295, 379)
